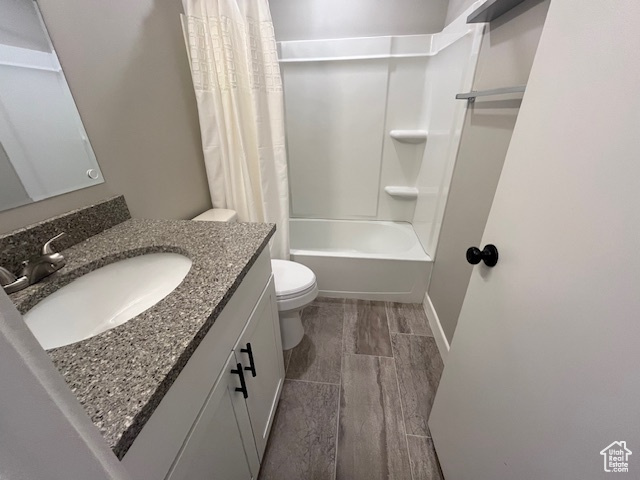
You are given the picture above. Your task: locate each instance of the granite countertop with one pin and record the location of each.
(121, 375)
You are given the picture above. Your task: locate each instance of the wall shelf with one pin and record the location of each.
(492, 10)
(402, 192)
(472, 95)
(409, 136)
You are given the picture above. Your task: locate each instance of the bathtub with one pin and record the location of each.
(370, 260)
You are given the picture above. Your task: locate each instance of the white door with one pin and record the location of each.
(259, 349)
(220, 445)
(544, 368)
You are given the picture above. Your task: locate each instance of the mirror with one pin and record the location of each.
(44, 149)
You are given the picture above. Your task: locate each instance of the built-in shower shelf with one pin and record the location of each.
(402, 192)
(409, 136)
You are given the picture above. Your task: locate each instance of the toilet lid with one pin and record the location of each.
(291, 277)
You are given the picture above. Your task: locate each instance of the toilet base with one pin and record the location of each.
(291, 328)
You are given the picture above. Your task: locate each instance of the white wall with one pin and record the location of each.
(455, 9)
(506, 57)
(321, 19)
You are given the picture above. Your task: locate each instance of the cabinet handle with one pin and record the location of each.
(243, 387)
(252, 366)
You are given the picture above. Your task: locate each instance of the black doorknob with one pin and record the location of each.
(489, 255)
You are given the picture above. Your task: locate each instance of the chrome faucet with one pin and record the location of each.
(34, 270)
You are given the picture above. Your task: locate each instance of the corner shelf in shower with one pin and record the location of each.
(409, 193)
(409, 136)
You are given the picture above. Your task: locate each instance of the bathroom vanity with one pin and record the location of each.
(188, 388)
(217, 415)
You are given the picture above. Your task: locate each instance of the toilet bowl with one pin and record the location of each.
(296, 287)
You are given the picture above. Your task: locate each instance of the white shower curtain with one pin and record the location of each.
(235, 71)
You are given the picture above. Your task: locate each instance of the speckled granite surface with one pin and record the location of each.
(78, 225)
(121, 375)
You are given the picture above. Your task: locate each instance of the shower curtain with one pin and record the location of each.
(236, 76)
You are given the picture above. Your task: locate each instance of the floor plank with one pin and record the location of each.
(302, 444)
(371, 443)
(424, 462)
(321, 300)
(408, 318)
(366, 328)
(317, 357)
(419, 369)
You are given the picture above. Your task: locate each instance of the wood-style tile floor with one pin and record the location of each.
(357, 395)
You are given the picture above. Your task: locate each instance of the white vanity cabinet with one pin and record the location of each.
(221, 443)
(259, 351)
(204, 427)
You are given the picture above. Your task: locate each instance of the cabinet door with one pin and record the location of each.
(220, 445)
(261, 337)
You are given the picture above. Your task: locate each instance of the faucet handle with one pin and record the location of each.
(46, 248)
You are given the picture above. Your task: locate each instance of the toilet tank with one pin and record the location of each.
(217, 215)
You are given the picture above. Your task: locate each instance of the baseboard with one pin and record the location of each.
(436, 328)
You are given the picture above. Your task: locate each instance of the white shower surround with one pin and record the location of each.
(452, 71)
(339, 111)
(342, 99)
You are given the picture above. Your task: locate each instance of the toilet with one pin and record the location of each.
(296, 285)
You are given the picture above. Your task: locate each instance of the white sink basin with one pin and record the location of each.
(105, 298)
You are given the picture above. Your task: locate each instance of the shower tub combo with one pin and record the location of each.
(373, 130)
(370, 260)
